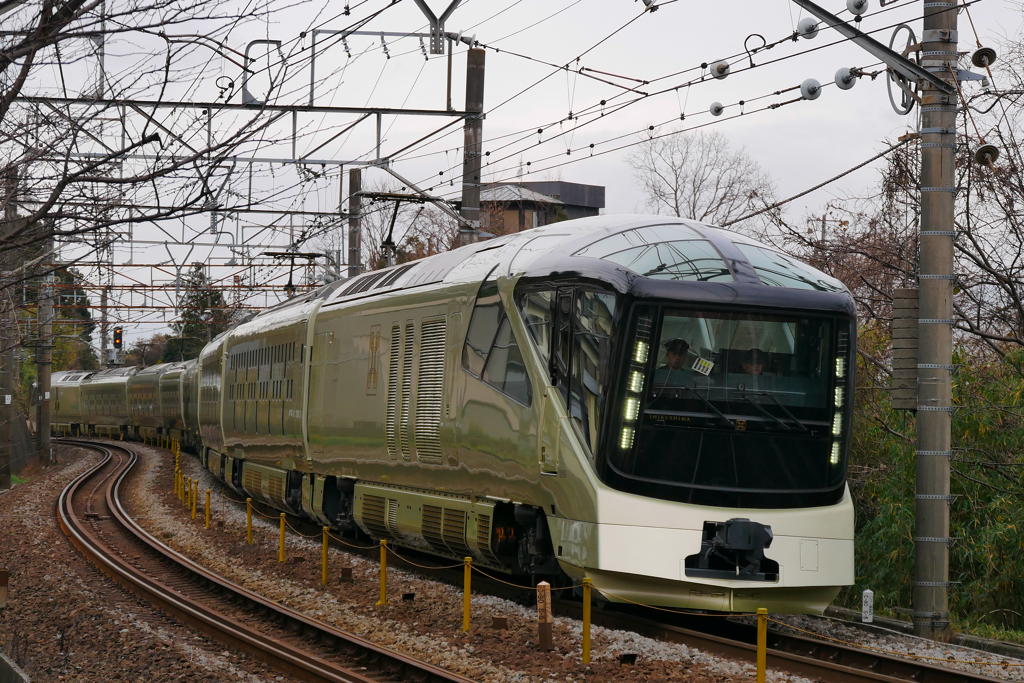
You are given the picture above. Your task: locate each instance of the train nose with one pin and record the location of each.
(734, 549)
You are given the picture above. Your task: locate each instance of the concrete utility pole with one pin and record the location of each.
(474, 130)
(355, 208)
(935, 353)
(44, 358)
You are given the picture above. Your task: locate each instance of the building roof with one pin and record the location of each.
(515, 193)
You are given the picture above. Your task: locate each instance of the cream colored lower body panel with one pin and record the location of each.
(646, 564)
(649, 590)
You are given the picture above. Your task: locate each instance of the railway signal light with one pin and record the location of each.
(118, 338)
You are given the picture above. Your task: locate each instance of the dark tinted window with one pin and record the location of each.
(778, 270)
(536, 310)
(505, 369)
(491, 351)
(591, 361)
(482, 327)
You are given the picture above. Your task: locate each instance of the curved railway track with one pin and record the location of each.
(93, 518)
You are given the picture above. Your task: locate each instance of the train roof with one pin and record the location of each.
(70, 376)
(111, 375)
(706, 264)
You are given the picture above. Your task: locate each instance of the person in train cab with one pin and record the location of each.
(675, 354)
(753, 362)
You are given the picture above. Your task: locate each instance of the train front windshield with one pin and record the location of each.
(735, 408)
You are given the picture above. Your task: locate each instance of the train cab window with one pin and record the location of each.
(778, 270)
(591, 361)
(482, 328)
(538, 316)
(505, 369)
(491, 351)
(663, 252)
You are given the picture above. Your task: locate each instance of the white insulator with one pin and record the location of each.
(720, 69)
(810, 89)
(845, 78)
(808, 27)
(857, 7)
(716, 109)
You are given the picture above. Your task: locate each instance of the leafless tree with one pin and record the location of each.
(698, 176)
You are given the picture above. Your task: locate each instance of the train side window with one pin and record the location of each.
(505, 370)
(562, 342)
(539, 319)
(591, 361)
(483, 327)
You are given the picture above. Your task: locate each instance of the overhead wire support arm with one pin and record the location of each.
(892, 59)
(436, 24)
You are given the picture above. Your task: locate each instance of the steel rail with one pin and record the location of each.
(289, 653)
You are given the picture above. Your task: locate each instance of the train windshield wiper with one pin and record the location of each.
(799, 425)
(711, 406)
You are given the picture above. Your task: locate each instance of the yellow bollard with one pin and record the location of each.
(248, 520)
(762, 643)
(468, 575)
(383, 572)
(586, 621)
(323, 572)
(207, 508)
(280, 547)
(195, 495)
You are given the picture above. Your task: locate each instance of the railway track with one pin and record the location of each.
(93, 518)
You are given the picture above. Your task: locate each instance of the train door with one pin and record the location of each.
(317, 381)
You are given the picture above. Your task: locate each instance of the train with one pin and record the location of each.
(659, 405)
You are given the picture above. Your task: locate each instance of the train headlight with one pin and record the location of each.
(839, 396)
(632, 409)
(636, 382)
(626, 440)
(840, 368)
(837, 424)
(834, 459)
(640, 354)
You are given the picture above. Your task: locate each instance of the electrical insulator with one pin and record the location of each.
(808, 27)
(810, 89)
(983, 57)
(845, 78)
(857, 7)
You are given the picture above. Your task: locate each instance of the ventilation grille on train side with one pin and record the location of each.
(374, 512)
(430, 391)
(392, 519)
(410, 333)
(454, 532)
(389, 427)
(431, 528)
(483, 537)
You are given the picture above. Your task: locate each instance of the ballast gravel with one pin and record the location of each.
(65, 621)
(430, 626)
(911, 647)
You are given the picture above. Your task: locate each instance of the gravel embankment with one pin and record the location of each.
(429, 627)
(65, 621)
